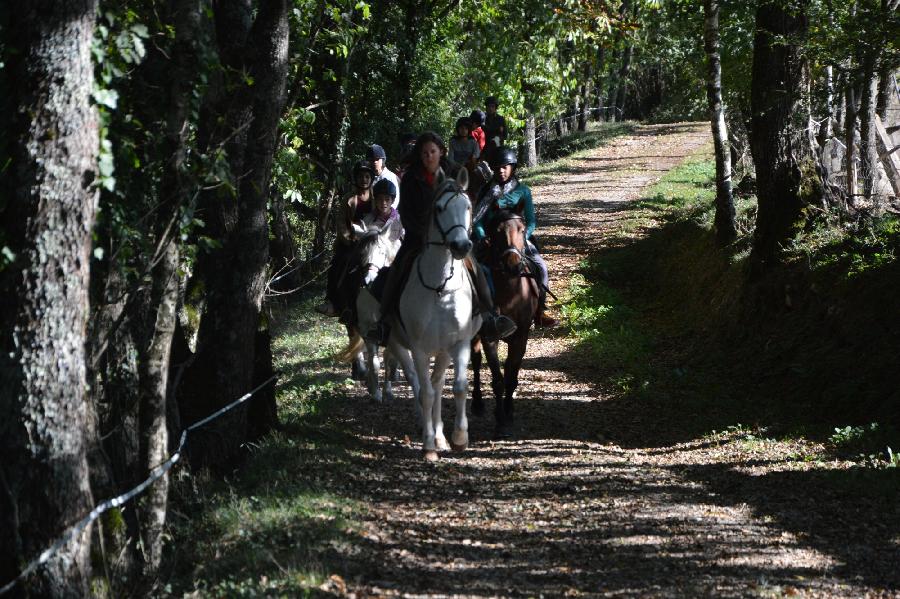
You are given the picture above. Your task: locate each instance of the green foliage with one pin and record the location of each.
(868, 444)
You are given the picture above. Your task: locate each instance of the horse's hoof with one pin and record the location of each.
(430, 455)
(441, 444)
(460, 447)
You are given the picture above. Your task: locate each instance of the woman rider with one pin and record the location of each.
(416, 196)
(506, 192)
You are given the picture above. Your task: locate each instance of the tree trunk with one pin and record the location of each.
(850, 116)
(868, 154)
(598, 85)
(725, 227)
(886, 87)
(531, 158)
(778, 120)
(46, 223)
(826, 130)
(584, 92)
(622, 87)
(155, 351)
(235, 274)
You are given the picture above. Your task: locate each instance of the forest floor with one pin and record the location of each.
(587, 500)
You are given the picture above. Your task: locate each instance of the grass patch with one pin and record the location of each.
(276, 527)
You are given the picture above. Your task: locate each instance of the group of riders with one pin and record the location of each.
(399, 205)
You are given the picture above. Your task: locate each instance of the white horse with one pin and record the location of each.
(377, 250)
(437, 318)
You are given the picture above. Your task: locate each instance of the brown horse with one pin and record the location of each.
(516, 295)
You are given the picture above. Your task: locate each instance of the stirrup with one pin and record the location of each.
(496, 326)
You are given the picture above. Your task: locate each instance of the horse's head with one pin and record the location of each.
(508, 240)
(452, 214)
(373, 253)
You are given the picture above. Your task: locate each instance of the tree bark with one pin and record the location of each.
(850, 117)
(726, 231)
(778, 120)
(46, 225)
(531, 158)
(622, 87)
(235, 274)
(155, 350)
(886, 87)
(826, 130)
(868, 154)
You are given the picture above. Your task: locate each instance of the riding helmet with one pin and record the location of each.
(385, 186)
(363, 165)
(491, 101)
(477, 117)
(374, 152)
(506, 155)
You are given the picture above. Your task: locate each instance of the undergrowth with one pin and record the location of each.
(270, 528)
(679, 328)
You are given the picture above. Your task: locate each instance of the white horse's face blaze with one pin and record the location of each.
(453, 219)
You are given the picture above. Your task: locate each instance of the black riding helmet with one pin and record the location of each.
(477, 117)
(506, 155)
(385, 186)
(363, 166)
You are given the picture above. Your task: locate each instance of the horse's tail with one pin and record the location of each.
(353, 348)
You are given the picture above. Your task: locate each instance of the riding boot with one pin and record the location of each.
(541, 318)
(494, 326)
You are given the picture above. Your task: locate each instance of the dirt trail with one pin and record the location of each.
(562, 510)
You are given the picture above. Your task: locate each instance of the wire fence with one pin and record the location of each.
(155, 474)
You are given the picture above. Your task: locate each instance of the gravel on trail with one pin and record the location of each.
(562, 510)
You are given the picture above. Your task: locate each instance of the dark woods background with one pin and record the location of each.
(170, 167)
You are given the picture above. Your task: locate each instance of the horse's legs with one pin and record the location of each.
(426, 402)
(493, 360)
(390, 366)
(441, 362)
(373, 367)
(477, 399)
(515, 355)
(358, 365)
(409, 371)
(459, 440)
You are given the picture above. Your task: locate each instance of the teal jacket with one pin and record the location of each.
(521, 195)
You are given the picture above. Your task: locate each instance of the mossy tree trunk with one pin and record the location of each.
(48, 213)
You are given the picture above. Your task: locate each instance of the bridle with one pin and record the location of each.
(454, 191)
(499, 262)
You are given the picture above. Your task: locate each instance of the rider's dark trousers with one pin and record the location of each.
(538, 260)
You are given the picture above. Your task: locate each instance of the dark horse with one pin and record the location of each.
(516, 295)
(356, 268)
